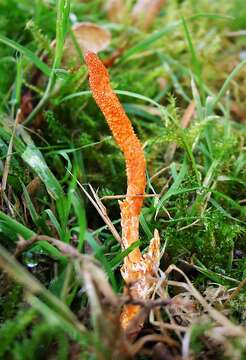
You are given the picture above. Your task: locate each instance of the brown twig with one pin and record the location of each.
(66, 249)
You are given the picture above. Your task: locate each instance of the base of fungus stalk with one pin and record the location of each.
(140, 278)
(130, 229)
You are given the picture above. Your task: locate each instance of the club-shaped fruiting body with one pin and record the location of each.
(138, 271)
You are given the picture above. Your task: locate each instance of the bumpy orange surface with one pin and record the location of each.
(128, 142)
(138, 271)
(120, 126)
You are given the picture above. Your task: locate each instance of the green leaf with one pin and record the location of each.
(80, 213)
(101, 257)
(49, 249)
(143, 45)
(14, 227)
(145, 226)
(55, 222)
(119, 258)
(222, 92)
(63, 9)
(18, 81)
(173, 189)
(218, 278)
(29, 204)
(197, 68)
(33, 157)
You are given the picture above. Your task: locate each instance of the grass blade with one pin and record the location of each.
(142, 45)
(15, 227)
(28, 53)
(33, 157)
(63, 9)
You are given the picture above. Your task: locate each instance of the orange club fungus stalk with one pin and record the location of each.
(138, 271)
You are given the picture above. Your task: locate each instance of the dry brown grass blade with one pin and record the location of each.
(97, 203)
(65, 248)
(217, 316)
(189, 308)
(188, 115)
(159, 172)
(32, 188)
(95, 200)
(118, 197)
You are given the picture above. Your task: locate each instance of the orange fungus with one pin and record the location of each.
(138, 271)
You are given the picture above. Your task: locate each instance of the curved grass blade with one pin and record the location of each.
(15, 227)
(33, 157)
(118, 92)
(224, 87)
(97, 249)
(28, 53)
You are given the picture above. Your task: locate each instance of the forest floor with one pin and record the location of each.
(179, 69)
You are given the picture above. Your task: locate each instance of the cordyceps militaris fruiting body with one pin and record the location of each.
(139, 271)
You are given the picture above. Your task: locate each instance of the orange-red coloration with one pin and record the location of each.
(139, 272)
(120, 126)
(128, 142)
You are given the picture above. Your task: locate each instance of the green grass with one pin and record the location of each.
(60, 285)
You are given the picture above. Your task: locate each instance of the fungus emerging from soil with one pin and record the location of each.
(139, 271)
